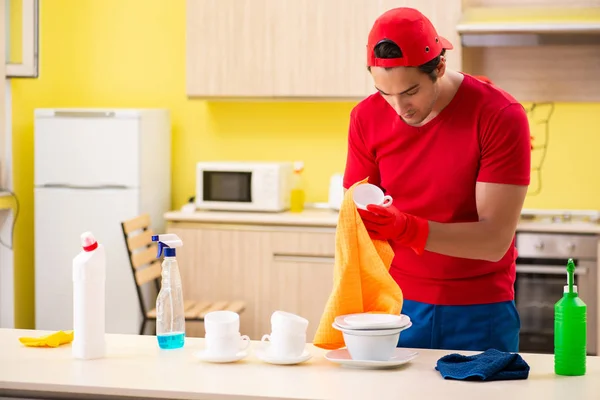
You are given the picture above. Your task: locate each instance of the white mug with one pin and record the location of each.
(285, 345)
(226, 345)
(222, 323)
(366, 193)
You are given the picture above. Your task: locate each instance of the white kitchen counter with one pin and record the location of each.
(329, 218)
(136, 367)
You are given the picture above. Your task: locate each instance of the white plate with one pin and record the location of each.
(342, 356)
(372, 321)
(371, 332)
(263, 355)
(203, 355)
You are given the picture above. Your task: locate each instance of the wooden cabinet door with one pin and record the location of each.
(299, 278)
(229, 46)
(292, 48)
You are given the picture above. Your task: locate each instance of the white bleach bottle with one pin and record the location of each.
(89, 299)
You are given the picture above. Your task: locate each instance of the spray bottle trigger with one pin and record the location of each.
(161, 246)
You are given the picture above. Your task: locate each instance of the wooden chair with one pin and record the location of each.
(146, 268)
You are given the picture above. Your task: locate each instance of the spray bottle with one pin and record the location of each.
(570, 320)
(170, 314)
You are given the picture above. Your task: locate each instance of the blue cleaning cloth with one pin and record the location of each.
(491, 365)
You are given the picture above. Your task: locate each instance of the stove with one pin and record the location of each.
(541, 273)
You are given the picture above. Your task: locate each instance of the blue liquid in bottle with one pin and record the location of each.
(170, 315)
(172, 340)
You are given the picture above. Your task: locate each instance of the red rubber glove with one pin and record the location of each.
(389, 223)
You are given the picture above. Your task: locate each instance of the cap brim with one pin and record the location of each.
(446, 43)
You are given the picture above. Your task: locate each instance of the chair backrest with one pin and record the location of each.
(142, 253)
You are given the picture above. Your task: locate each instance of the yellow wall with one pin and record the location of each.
(131, 53)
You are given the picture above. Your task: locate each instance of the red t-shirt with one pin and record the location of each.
(482, 135)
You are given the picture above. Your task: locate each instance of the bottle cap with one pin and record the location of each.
(169, 252)
(88, 241)
(298, 166)
(571, 275)
(566, 289)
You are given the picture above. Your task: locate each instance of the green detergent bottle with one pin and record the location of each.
(570, 321)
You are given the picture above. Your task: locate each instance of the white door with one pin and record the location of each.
(61, 216)
(87, 151)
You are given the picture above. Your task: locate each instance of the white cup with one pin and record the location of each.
(288, 335)
(222, 323)
(285, 345)
(366, 193)
(285, 322)
(226, 345)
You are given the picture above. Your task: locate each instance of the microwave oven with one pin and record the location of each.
(244, 185)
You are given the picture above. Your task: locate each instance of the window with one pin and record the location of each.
(27, 67)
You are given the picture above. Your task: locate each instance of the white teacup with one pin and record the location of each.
(288, 335)
(366, 193)
(285, 345)
(285, 322)
(226, 345)
(222, 323)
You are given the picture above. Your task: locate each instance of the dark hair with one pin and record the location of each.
(389, 49)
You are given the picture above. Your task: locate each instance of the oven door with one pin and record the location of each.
(538, 286)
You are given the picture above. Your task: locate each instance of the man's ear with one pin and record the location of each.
(441, 67)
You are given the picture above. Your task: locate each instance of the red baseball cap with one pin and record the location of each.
(412, 31)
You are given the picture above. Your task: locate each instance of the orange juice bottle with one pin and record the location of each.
(298, 196)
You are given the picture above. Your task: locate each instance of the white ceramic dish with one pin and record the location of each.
(371, 345)
(264, 355)
(400, 357)
(372, 321)
(371, 332)
(206, 356)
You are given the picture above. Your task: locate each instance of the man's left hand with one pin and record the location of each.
(389, 223)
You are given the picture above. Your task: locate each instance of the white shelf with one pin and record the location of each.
(516, 26)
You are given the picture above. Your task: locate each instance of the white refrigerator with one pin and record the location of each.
(95, 168)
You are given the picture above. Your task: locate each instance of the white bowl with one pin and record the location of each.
(371, 345)
(371, 348)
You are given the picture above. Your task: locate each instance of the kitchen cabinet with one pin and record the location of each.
(268, 267)
(292, 48)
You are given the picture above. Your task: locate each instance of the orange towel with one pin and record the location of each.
(362, 282)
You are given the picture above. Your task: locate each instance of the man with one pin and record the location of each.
(454, 154)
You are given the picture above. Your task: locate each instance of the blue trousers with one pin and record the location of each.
(469, 328)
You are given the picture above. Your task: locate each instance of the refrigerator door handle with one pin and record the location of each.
(85, 114)
(65, 186)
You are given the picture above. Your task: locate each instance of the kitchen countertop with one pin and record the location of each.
(329, 218)
(134, 366)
